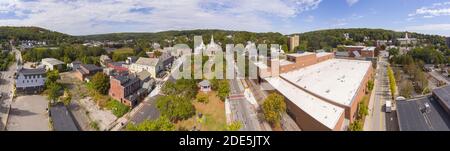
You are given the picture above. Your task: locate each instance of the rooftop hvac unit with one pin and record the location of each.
(426, 108)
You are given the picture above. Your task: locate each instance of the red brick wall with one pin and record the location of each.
(303, 119)
(116, 90)
(350, 51)
(367, 53)
(359, 95)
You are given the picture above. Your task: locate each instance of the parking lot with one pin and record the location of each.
(29, 113)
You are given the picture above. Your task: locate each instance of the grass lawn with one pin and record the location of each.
(117, 108)
(122, 54)
(213, 114)
(124, 51)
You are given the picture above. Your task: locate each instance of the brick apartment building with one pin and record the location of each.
(360, 51)
(127, 89)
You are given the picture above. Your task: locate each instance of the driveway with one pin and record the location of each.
(29, 113)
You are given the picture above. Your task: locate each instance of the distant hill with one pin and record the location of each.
(332, 37)
(32, 33)
(186, 36)
(311, 40)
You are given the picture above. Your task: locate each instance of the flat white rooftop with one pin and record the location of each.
(324, 112)
(336, 80)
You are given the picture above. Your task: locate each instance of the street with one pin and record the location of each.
(287, 123)
(375, 121)
(241, 109)
(148, 111)
(6, 88)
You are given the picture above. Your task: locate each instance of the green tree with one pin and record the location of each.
(234, 126)
(394, 52)
(100, 83)
(406, 89)
(363, 109)
(161, 124)
(67, 97)
(273, 108)
(53, 91)
(356, 126)
(183, 87)
(202, 97)
(52, 76)
(392, 83)
(370, 85)
(223, 89)
(175, 107)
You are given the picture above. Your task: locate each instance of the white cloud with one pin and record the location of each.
(352, 2)
(102, 16)
(437, 9)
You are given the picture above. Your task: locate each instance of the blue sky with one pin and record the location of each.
(81, 17)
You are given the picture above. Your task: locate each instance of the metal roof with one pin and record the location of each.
(61, 118)
(414, 116)
(443, 95)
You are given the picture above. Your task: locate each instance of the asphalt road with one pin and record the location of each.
(376, 120)
(241, 109)
(147, 112)
(6, 87)
(287, 123)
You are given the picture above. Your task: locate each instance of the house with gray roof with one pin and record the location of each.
(30, 81)
(151, 65)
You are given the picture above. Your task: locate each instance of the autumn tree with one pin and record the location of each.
(161, 124)
(100, 83)
(273, 108)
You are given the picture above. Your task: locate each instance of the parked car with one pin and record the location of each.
(388, 108)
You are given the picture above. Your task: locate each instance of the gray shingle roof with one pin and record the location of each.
(37, 71)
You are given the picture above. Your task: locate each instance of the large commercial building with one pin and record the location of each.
(30, 80)
(293, 42)
(322, 92)
(52, 63)
(429, 113)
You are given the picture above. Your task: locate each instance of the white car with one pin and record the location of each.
(388, 108)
